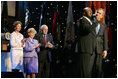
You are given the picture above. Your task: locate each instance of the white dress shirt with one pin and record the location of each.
(97, 29)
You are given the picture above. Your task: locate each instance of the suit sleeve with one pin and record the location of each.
(86, 27)
(105, 46)
(51, 37)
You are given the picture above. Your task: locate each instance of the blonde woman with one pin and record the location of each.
(30, 54)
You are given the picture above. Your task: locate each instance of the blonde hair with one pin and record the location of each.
(31, 30)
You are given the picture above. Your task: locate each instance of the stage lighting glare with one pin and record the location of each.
(60, 46)
(65, 11)
(111, 23)
(51, 4)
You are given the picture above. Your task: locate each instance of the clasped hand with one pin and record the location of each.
(49, 45)
(37, 45)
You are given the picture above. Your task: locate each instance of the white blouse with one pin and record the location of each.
(16, 50)
(15, 40)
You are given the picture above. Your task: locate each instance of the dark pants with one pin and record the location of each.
(44, 65)
(85, 64)
(97, 67)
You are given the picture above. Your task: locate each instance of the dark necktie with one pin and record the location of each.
(45, 38)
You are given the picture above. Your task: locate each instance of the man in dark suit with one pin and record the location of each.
(101, 43)
(86, 43)
(44, 55)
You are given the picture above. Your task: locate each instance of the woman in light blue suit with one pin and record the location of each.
(30, 54)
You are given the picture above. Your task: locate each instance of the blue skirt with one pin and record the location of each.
(30, 64)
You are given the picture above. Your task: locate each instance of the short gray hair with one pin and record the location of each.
(31, 30)
(102, 10)
(43, 26)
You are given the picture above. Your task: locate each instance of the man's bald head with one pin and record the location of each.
(87, 12)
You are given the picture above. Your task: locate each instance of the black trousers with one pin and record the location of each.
(44, 65)
(85, 65)
(44, 70)
(97, 66)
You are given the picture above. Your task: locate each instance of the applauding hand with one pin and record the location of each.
(49, 45)
(38, 45)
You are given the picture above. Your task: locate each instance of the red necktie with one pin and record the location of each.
(45, 38)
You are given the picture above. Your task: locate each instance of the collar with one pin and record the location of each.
(88, 19)
(30, 40)
(45, 35)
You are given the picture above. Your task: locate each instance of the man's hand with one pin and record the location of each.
(104, 54)
(49, 45)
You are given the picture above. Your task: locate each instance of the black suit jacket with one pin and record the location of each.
(86, 37)
(45, 53)
(101, 38)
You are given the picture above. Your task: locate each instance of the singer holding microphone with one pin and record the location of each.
(86, 44)
(44, 55)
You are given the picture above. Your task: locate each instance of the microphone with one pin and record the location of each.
(94, 15)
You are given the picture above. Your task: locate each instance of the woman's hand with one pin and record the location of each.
(38, 45)
(23, 41)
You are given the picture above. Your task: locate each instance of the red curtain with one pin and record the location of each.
(97, 5)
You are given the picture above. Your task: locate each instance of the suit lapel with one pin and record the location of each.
(47, 38)
(42, 38)
(100, 28)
